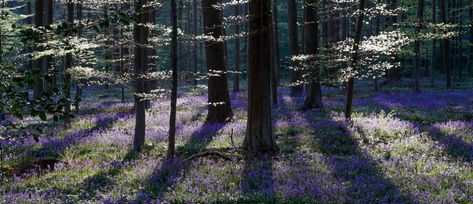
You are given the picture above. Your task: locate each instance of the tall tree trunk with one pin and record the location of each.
(276, 40)
(39, 63)
(49, 83)
(259, 132)
(236, 69)
(445, 46)
(140, 35)
(274, 59)
(2, 115)
(434, 43)
(67, 75)
(80, 82)
(195, 43)
(470, 66)
(122, 67)
(172, 119)
(294, 45)
(2, 4)
(393, 74)
(378, 24)
(150, 84)
(314, 97)
(458, 44)
(29, 21)
(354, 59)
(220, 109)
(419, 21)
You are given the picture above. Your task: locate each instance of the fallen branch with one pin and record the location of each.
(204, 154)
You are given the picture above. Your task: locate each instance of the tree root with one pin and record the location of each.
(209, 153)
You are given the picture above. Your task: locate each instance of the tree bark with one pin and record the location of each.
(259, 132)
(151, 84)
(29, 21)
(419, 21)
(274, 59)
(354, 59)
(50, 81)
(470, 66)
(2, 115)
(219, 108)
(67, 75)
(434, 43)
(195, 43)
(39, 63)
(140, 35)
(236, 69)
(276, 40)
(445, 46)
(79, 82)
(314, 97)
(172, 119)
(294, 45)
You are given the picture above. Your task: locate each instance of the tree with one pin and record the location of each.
(378, 19)
(2, 115)
(236, 69)
(39, 65)
(172, 118)
(79, 83)
(43, 20)
(194, 45)
(140, 35)
(50, 80)
(276, 40)
(434, 43)
(470, 14)
(294, 46)
(219, 104)
(354, 59)
(259, 131)
(275, 56)
(445, 47)
(311, 40)
(67, 75)
(419, 21)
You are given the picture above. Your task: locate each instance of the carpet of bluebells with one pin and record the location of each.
(400, 147)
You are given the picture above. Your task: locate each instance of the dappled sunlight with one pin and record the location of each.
(378, 157)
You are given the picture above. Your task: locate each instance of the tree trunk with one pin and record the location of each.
(378, 24)
(276, 41)
(140, 34)
(2, 115)
(172, 119)
(470, 66)
(294, 45)
(39, 63)
(354, 59)
(220, 109)
(393, 74)
(67, 75)
(274, 59)
(150, 84)
(195, 43)
(434, 43)
(259, 132)
(419, 21)
(79, 82)
(49, 83)
(236, 69)
(445, 46)
(314, 97)
(29, 21)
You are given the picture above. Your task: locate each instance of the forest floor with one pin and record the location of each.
(400, 147)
